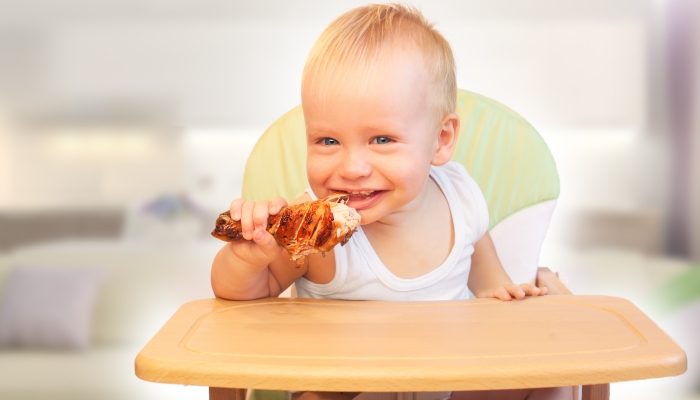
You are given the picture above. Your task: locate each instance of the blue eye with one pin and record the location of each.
(382, 140)
(330, 142)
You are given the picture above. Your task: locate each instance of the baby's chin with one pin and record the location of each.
(368, 218)
(374, 214)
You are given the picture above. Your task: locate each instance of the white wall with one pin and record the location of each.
(213, 164)
(583, 74)
(588, 73)
(576, 70)
(237, 73)
(90, 168)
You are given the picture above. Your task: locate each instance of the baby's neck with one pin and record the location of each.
(417, 240)
(411, 214)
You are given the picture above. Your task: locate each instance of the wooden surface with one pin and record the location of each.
(326, 345)
(549, 279)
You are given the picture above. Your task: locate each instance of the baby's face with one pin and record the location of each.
(373, 138)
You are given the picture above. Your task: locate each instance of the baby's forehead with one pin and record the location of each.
(369, 64)
(362, 76)
(384, 86)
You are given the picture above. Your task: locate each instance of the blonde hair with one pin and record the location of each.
(358, 38)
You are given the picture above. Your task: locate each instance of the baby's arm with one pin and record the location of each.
(487, 277)
(257, 267)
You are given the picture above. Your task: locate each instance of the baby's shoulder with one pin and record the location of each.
(454, 168)
(456, 175)
(461, 188)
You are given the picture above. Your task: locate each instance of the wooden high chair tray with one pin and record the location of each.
(327, 345)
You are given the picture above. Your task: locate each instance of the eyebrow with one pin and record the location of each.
(384, 129)
(316, 133)
(379, 129)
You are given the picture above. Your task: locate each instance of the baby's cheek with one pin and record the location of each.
(318, 171)
(415, 178)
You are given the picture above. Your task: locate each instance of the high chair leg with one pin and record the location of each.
(596, 392)
(226, 394)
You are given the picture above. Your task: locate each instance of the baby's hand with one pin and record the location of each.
(253, 216)
(510, 291)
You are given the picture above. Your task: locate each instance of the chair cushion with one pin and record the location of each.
(504, 153)
(518, 240)
(277, 164)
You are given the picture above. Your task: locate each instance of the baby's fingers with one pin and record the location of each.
(515, 290)
(531, 289)
(261, 214)
(235, 209)
(247, 226)
(502, 294)
(276, 204)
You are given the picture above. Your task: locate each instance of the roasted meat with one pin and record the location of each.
(302, 229)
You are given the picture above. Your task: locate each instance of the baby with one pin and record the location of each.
(378, 96)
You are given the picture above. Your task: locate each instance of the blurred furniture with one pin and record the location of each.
(146, 283)
(329, 345)
(22, 228)
(639, 231)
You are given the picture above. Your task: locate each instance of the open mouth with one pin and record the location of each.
(359, 195)
(363, 198)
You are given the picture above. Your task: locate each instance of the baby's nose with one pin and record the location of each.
(354, 166)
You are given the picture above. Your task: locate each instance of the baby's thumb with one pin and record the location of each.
(266, 243)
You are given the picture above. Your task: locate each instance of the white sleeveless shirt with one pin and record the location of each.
(361, 275)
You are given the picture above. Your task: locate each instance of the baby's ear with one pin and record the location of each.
(446, 140)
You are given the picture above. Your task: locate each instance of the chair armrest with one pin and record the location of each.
(548, 279)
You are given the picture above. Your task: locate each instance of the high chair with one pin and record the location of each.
(517, 174)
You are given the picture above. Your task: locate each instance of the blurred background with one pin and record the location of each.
(125, 126)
